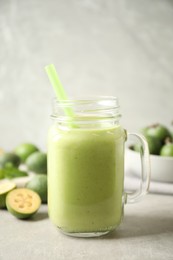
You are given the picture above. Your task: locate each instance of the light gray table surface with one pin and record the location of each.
(146, 233)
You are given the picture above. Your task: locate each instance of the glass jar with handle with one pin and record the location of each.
(86, 194)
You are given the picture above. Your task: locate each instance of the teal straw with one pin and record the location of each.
(58, 88)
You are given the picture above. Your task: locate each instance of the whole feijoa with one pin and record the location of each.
(24, 150)
(37, 162)
(9, 159)
(158, 131)
(154, 145)
(38, 183)
(167, 148)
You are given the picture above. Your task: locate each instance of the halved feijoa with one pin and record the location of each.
(5, 187)
(23, 202)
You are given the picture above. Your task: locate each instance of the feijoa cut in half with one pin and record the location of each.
(5, 187)
(23, 202)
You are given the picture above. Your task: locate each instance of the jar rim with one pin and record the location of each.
(88, 99)
(86, 110)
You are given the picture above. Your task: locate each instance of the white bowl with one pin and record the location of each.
(161, 167)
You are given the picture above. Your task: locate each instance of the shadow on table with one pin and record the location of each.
(39, 216)
(137, 226)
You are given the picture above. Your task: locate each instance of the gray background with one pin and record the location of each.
(99, 47)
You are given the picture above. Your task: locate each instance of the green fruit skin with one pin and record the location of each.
(25, 150)
(37, 162)
(9, 158)
(39, 184)
(167, 150)
(158, 131)
(3, 201)
(18, 214)
(2, 174)
(154, 145)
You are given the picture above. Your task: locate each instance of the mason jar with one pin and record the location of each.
(86, 143)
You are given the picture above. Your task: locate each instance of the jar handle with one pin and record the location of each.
(145, 170)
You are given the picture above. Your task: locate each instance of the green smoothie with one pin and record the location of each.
(85, 178)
